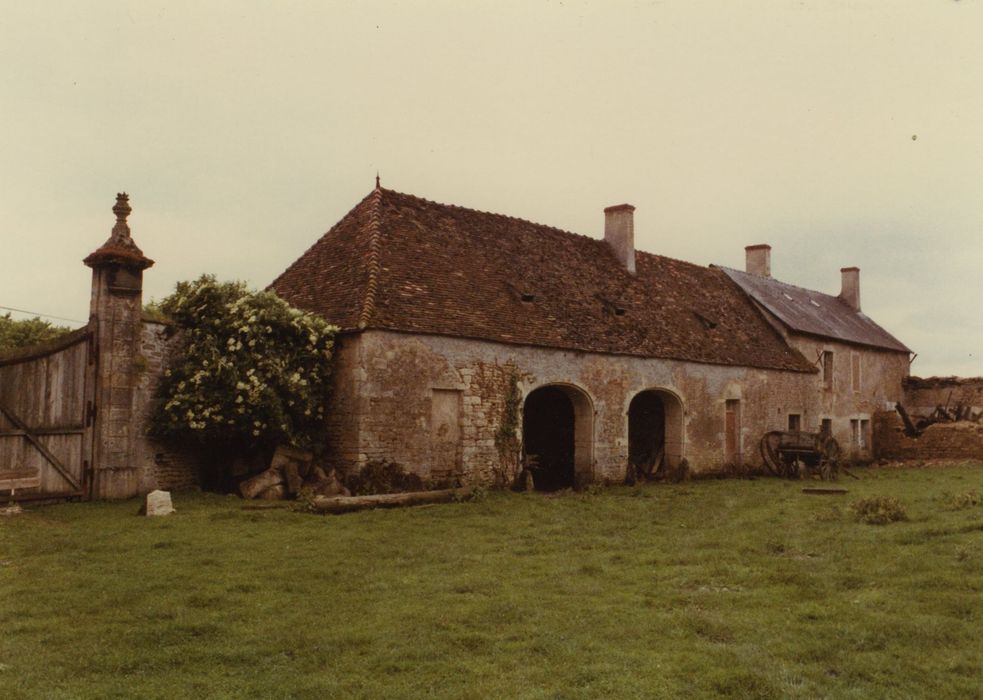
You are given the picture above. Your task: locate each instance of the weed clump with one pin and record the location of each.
(878, 510)
(965, 500)
(380, 476)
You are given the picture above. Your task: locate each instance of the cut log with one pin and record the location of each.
(251, 488)
(291, 476)
(328, 485)
(349, 504)
(274, 493)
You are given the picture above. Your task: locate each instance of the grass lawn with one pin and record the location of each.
(703, 589)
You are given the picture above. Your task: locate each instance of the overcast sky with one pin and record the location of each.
(842, 133)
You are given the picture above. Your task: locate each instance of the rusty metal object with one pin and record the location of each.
(793, 454)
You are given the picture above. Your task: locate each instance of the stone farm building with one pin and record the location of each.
(617, 354)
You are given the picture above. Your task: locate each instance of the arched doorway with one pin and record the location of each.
(557, 434)
(655, 430)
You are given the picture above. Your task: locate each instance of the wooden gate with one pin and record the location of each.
(46, 419)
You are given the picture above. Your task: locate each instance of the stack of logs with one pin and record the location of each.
(290, 471)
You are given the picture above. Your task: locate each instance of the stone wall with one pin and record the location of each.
(922, 396)
(161, 466)
(881, 377)
(386, 404)
(950, 441)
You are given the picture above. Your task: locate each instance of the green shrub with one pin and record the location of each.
(30, 331)
(878, 510)
(248, 372)
(380, 476)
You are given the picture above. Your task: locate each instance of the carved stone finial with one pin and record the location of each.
(122, 207)
(121, 231)
(120, 248)
(377, 179)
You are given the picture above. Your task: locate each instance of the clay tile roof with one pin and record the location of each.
(403, 263)
(814, 313)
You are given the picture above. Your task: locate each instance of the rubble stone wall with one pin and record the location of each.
(387, 381)
(881, 378)
(161, 466)
(956, 441)
(922, 396)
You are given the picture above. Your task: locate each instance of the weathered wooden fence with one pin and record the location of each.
(46, 412)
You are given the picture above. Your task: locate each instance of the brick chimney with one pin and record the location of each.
(850, 289)
(619, 232)
(758, 259)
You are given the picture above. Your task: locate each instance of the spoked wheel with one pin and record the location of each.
(769, 453)
(829, 463)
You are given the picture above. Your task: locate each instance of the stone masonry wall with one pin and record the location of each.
(394, 377)
(955, 441)
(882, 374)
(161, 466)
(922, 396)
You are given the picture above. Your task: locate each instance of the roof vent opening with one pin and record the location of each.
(708, 323)
(618, 311)
(527, 297)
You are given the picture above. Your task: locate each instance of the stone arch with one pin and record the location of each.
(558, 435)
(655, 425)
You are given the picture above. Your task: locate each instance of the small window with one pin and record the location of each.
(864, 433)
(855, 432)
(855, 374)
(826, 426)
(794, 421)
(827, 369)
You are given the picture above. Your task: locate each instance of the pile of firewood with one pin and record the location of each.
(290, 471)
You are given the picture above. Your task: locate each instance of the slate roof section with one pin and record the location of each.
(402, 263)
(814, 313)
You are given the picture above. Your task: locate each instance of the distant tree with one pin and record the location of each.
(249, 371)
(16, 333)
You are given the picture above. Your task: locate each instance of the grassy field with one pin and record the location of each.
(705, 589)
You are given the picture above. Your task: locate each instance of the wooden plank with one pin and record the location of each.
(54, 461)
(74, 430)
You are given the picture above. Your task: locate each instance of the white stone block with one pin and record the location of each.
(158, 503)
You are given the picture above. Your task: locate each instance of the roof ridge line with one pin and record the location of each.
(548, 227)
(835, 297)
(374, 265)
(318, 240)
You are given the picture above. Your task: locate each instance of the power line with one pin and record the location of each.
(38, 313)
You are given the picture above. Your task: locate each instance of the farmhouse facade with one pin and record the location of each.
(474, 342)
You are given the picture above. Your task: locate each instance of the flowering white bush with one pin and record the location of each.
(249, 370)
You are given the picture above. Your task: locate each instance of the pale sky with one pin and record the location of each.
(840, 132)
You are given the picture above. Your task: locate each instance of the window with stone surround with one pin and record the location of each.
(827, 369)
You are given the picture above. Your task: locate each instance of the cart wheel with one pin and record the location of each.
(829, 465)
(769, 454)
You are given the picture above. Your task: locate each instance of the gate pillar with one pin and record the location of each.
(115, 319)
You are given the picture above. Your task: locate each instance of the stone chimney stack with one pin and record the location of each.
(758, 259)
(619, 232)
(850, 289)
